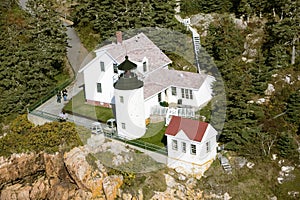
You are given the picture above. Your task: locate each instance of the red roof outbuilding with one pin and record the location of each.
(193, 129)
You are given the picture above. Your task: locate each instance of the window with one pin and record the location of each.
(174, 145)
(186, 93)
(193, 149)
(115, 68)
(183, 145)
(191, 94)
(102, 66)
(159, 97)
(123, 125)
(182, 93)
(121, 99)
(174, 92)
(144, 66)
(99, 88)
(207, 146)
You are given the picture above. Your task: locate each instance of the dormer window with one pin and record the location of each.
(102, 66)
(144, 66)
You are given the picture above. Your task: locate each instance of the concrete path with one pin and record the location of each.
(78, 57)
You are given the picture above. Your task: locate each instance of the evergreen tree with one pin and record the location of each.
(106, 17)
(32, 49)
(293, 108)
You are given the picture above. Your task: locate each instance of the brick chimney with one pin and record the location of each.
(119, 37)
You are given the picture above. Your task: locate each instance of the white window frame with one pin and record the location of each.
(193, 149)
(145, 66)
(186, 93)
(174, 144)
(208, 147)
(159, 97)
(102, 66)
(123, 125)
(115, 68)
(99, 88)
(191, 94)
(183, 147)
(174, 91)
(121, 99)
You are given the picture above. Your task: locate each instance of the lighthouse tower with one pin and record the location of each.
(129, 102)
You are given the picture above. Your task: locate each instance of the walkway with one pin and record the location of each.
(78, 56)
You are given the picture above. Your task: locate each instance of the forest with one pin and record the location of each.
(32, 54)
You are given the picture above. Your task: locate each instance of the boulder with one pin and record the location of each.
(20, 165)
(270, 89)
(62, 191)
(111, 185)
(85, 177)
(39, 189)
(55, 169)
(13, 192)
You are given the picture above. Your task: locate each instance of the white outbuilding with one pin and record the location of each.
(192, 145)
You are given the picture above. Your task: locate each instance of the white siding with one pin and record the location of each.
(149, 103)
(204, 94)
(201, 156)
(188, 101)
(94, 75)
(130, 112)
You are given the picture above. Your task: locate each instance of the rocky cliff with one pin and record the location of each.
(55, 176)
(71, 176)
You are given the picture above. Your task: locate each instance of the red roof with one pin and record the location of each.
(192, 128)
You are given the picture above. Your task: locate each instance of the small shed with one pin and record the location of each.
(190, 143)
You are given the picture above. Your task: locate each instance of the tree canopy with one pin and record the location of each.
(33, 49)
(101, 19)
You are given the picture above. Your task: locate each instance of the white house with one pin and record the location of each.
(160, 83)
(191, 144)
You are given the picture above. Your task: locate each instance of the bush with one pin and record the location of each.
(50, 137)
(164, 104)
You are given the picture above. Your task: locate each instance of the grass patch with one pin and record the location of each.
(179, 63)
(83, 133)
(141, 173)
(290, 186)
(77, 106)
(89, 38)
(206, 112)
(155, 134)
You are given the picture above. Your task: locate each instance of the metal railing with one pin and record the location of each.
(50, 94)
(44, 115)
(139, 143)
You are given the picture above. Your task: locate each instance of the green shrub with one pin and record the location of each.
(164, 104)
(50, 137)
(21, 124)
